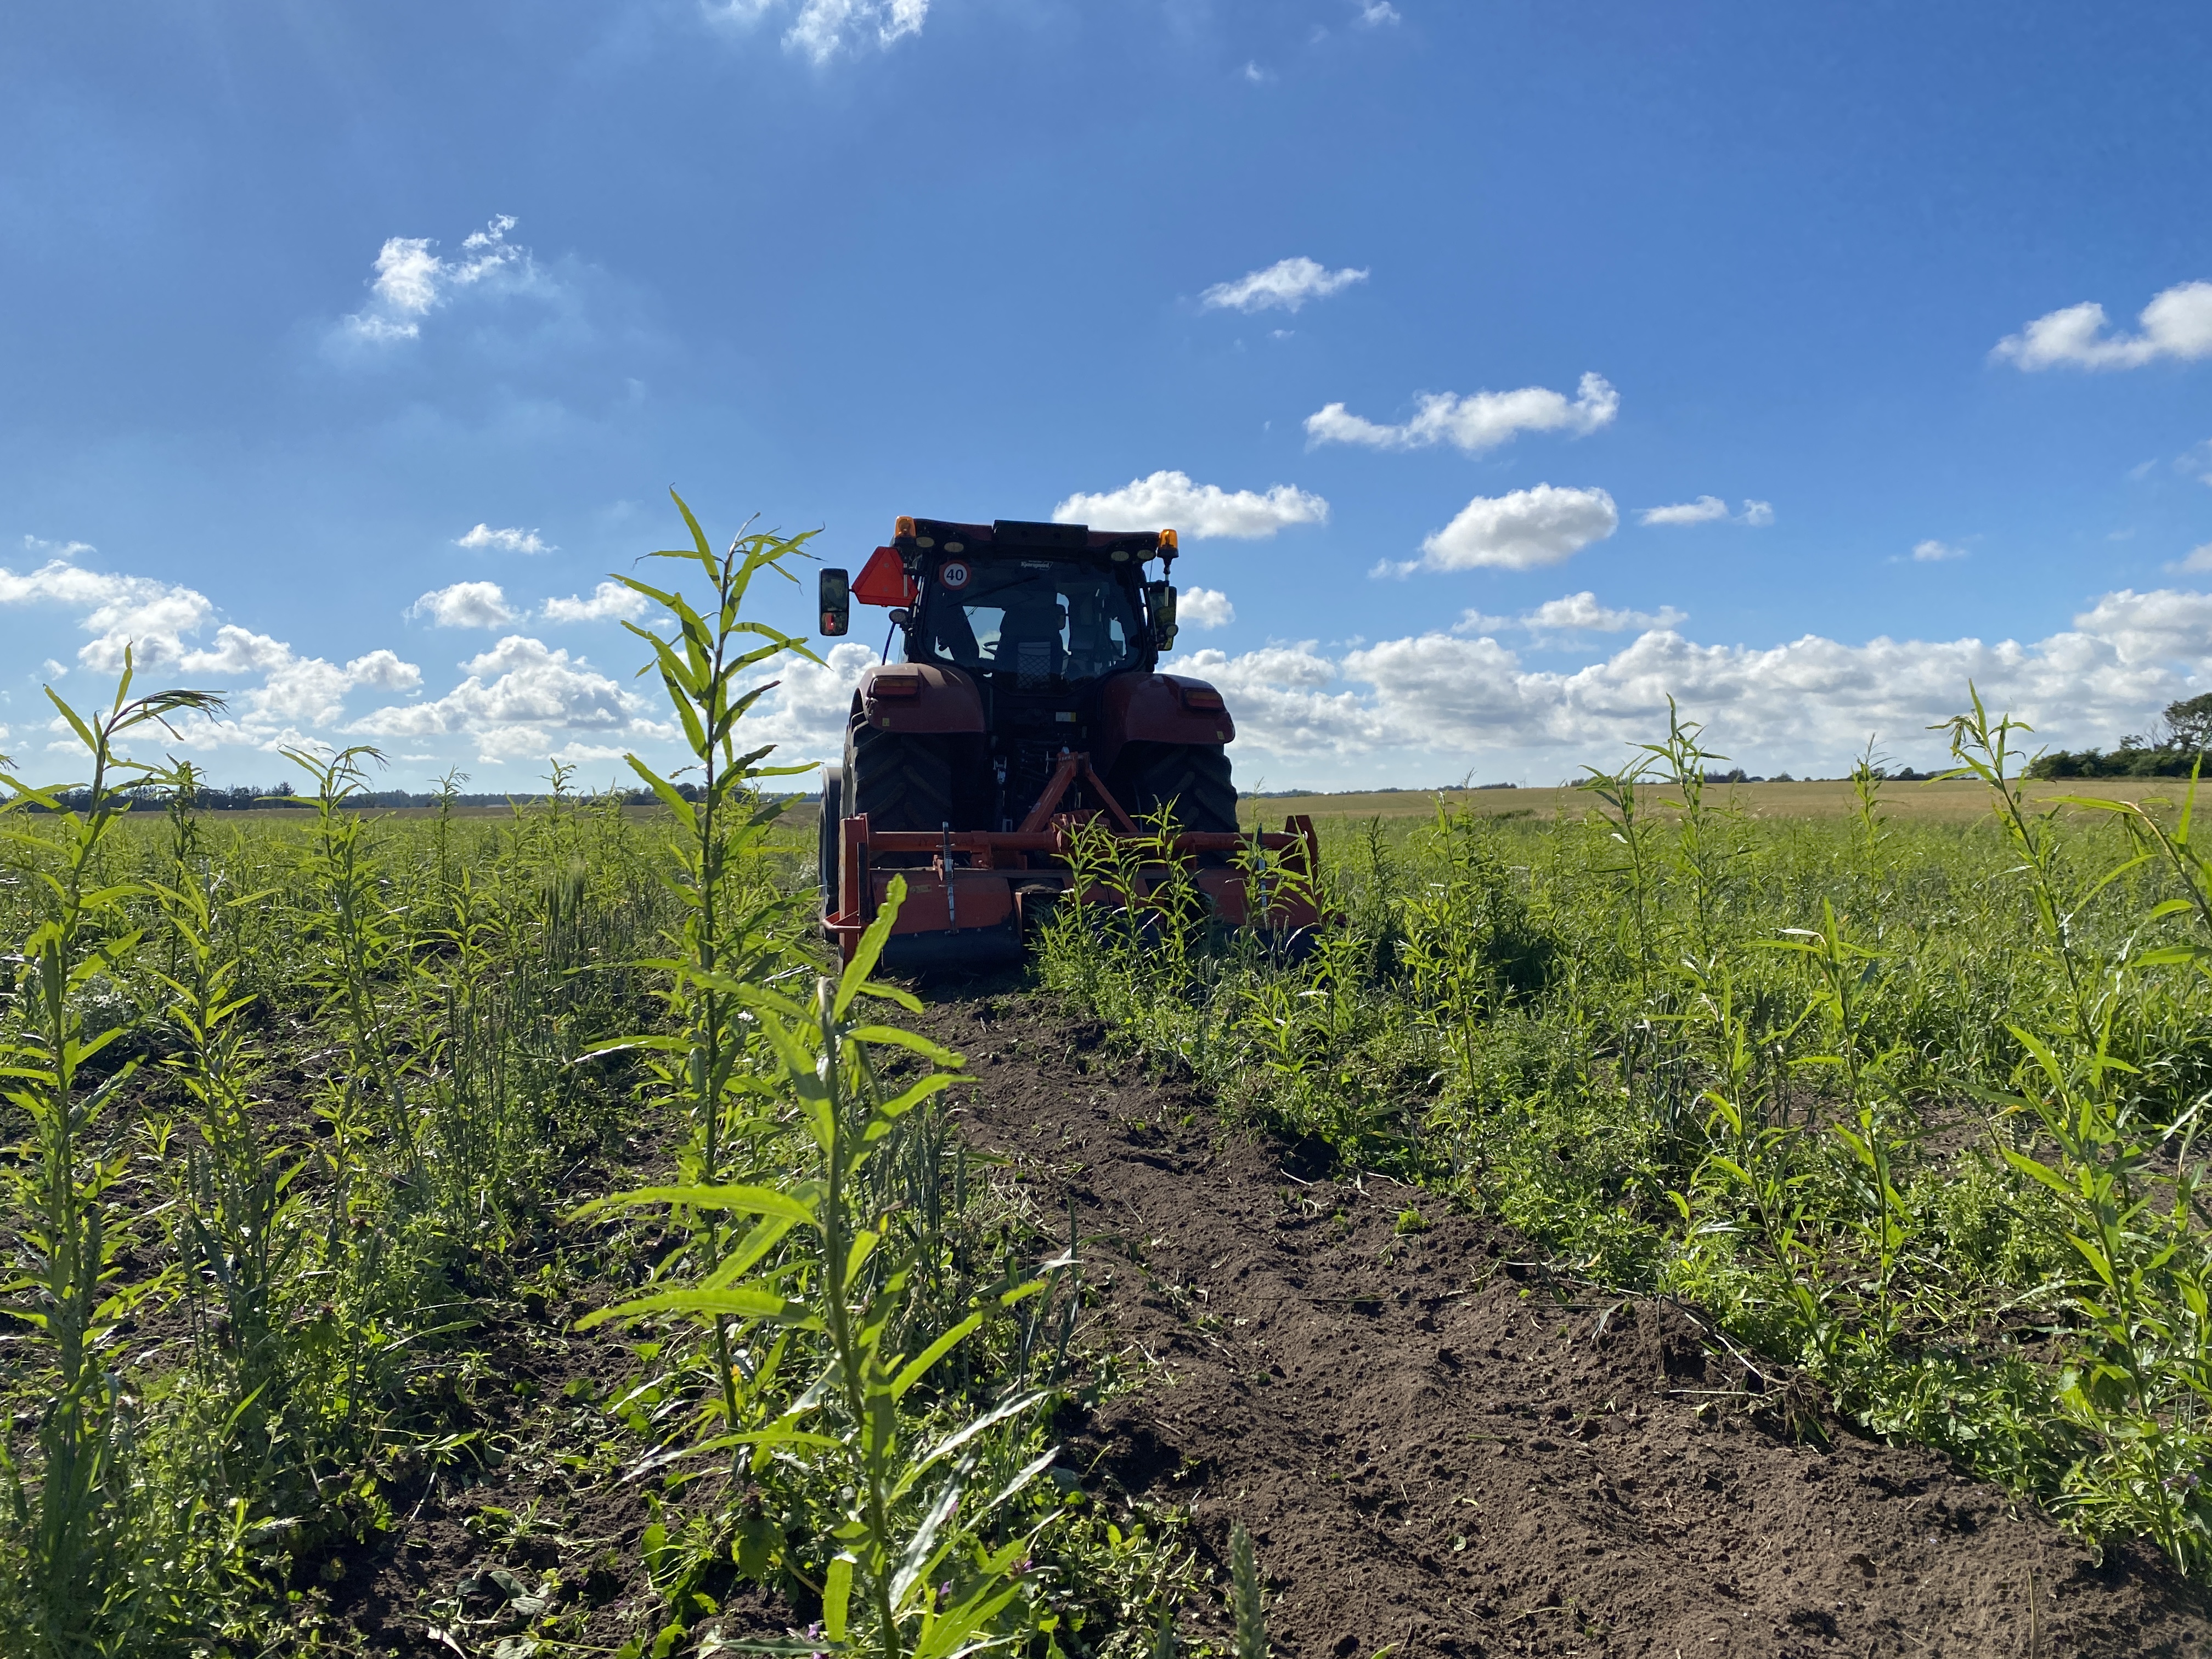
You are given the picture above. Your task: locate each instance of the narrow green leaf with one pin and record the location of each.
(881, 1120)
(666, 791)
(738, 1302)
(870, 947)
(895, 1037)
(990, 1419)
(837, 1593)
(918, 1367)
(922, 1551)
(748, 1201)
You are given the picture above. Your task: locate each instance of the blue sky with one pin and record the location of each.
(345, 351)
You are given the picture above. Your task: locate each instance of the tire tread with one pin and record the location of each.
(1195, 777)
(899, 781)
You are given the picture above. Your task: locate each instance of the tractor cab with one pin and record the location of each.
(1054, 602)
(1033, 625)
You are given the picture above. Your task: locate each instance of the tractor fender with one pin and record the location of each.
(944, 699)
(1154, 708)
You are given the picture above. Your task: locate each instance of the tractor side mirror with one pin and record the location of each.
(1160, 600)
(836, 603)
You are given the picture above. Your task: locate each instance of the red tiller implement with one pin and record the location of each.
(971, 893)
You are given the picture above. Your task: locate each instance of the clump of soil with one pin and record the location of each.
(1441, 1448)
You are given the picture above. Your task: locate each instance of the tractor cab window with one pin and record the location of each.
(1040, 620)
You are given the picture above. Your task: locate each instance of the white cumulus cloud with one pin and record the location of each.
(1171, 500)
(523, 699)
(411, 281)
(150, 617)
(1811, 702)
(1289, 700)
(1704, 510)
(1287, 284)
(1934, 552)
(1204, 608)
(382, 670)
(1477, 422)
(1581, 613)
(296, 694)
(610, 601)
(464, 604)
(1517, 531)
(804, 716)
(1707, 509)
(1373, 13)
(2177, 323)
(283, 694)
(1478, 621)
(823, 29)
(484, 537)
(2197, 559)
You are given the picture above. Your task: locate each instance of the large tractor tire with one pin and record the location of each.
(826, 838)
(1192, 779)
(899, 781)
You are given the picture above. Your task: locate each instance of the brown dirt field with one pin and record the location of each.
(1441, 1449)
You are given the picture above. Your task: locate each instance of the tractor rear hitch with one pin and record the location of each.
(973, 914)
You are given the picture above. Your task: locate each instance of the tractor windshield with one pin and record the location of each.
(1043, 621)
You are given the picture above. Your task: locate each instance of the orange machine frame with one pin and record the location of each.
(984, 898)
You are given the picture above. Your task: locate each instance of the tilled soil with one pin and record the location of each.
(1441, 1449)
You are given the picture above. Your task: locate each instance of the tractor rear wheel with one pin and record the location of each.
(896, 781)
(1191, 778)
(827, 844)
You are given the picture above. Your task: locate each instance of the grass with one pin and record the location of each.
(1908, 1094)
(295, 1105)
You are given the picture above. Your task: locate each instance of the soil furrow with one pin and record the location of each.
(1442, 1448)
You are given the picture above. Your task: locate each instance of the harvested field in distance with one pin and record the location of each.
(1957, 801)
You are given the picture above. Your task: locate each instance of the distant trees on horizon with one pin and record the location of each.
(246, 798)
(2183, 739)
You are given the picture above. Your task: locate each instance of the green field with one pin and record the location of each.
(1903, 1083)
(399, 1201)
(490, 1233)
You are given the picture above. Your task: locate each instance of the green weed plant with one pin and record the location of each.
(1914, 1105)
(295, 1106)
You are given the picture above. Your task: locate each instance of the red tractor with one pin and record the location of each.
(1025, 704)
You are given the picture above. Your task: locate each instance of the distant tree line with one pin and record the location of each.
(2184, 735)
(246, 797)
